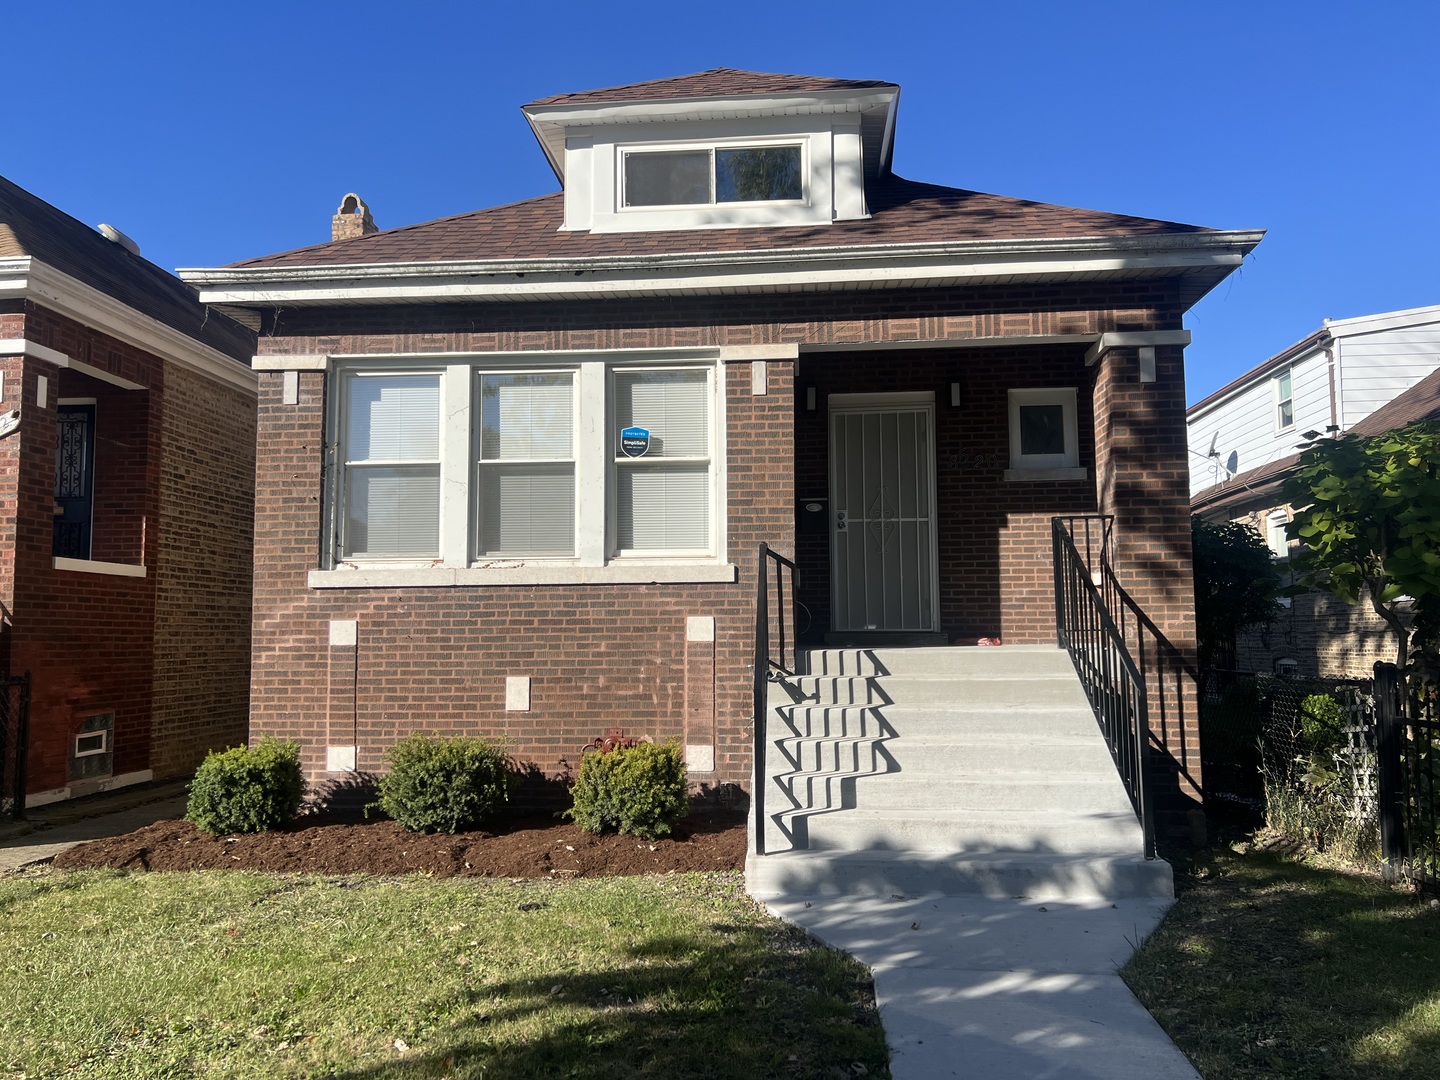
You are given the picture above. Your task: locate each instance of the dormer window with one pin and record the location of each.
(721, 174)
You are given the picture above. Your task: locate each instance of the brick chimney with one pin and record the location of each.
(352, 219)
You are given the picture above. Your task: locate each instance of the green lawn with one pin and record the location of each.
(1267, 967)
(239, 975)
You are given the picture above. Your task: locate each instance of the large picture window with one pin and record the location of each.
(484, 468)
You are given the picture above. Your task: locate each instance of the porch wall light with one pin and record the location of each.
(810, 398)
(954, 395)
(1147, 363)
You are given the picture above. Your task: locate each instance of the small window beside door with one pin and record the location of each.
(1044, 435)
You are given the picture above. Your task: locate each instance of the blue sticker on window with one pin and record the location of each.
(634, 441)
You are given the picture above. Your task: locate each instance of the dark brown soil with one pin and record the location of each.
(538, 847)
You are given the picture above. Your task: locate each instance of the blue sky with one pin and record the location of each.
(212, 132)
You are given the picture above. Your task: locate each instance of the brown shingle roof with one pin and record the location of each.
(29, 226)
(717, 82)
(901, 211)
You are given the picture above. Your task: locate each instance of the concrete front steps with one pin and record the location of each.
(959, 771)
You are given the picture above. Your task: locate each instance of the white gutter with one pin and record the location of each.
(790, 269)
(27, 278)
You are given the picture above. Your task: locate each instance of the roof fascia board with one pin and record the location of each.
(726, 106)
(889, 265)
(1388, 320)
(1133, 339)
(550, 123)
(42, 284)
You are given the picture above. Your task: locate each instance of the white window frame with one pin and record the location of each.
(104, 736)
(596, 559)
(1275, 538)
(1062, 466)
(712, 146)
(340, 418)
(477, 462)
(1281, 402)
(613, 473)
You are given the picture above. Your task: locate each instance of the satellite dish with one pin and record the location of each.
(1213, 440)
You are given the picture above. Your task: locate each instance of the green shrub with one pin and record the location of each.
(638, 789)
(244, 790)
(444, 785)
(1322, 721)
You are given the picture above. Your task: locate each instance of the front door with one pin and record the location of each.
(882, 512)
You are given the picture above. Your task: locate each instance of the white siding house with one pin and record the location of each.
(1368, 375)
(1334, 378)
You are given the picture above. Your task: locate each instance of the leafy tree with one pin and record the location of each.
(1369, 523)
(1236, 582)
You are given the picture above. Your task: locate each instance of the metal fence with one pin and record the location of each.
(1346, 762)
(14, 741)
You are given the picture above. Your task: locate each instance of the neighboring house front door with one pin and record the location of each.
(882, 509)
(74, 480)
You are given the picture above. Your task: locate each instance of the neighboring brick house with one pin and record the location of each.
(127, 512)
(1366, 375)
(515, 465)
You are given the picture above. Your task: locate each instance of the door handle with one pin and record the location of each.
(840, 520)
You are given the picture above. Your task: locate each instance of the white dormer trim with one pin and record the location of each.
(554, 124)
(832, 166)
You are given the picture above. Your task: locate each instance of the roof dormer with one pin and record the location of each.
(719, 149)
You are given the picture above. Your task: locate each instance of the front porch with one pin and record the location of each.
(959, 771)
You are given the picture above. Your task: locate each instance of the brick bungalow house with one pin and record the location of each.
(515, 465)
(126, 503)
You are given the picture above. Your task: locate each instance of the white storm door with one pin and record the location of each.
(882, 512)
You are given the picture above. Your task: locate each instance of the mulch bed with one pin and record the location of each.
(536, 847)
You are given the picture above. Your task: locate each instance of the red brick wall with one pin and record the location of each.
(605, 656)
(1143, 471)
(88, 639)
(202, 607)
(85, 638)
(436, 659)
(995, 565)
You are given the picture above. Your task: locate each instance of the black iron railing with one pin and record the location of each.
(1085, 597)
(774, 657)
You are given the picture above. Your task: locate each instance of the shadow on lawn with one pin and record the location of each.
(747, 1009)
(1269, 967)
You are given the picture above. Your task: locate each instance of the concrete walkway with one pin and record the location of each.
(1001, 989)
(49, 830)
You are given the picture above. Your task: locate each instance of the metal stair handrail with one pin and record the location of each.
(769, 665)
(1115, 685)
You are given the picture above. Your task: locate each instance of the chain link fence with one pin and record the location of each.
(1296, 754)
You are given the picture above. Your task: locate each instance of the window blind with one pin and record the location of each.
(525, 479)
(662, 499)
(392, 508)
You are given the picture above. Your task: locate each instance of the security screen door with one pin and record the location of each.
(882, 510)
